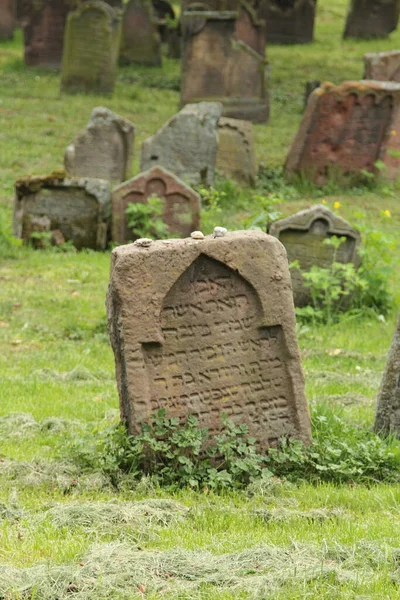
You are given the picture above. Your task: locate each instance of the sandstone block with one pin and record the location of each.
(382, 66)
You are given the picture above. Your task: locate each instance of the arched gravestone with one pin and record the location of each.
(141, 42)
(7, 19)
(290, 21)
(219, 337)
(387, 420)
(181, 203)
(371, 18)
(303, 235)
(236, 153)
(91, 47)
(382, 66)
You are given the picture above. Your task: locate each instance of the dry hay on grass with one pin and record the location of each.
(314, 515)
(120, 571)
(77, 374)
(23, 425)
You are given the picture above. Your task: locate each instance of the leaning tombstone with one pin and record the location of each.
(219, 338)
(104, 149)
(387, 419)
(382, 66)
(345, 130)
(371, 18)
(186, 144)
(304, 235)
(141, 42)
(290, 21)
(91, 48)
(61, 208)
(7, 19)
(236, 154)
(181, 203)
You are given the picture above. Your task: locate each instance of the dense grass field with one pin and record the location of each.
(64, 533)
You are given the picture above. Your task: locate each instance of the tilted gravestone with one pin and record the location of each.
(303, 236)
(181, 203)
(223, 58)
(104, 149)
(91, 48)
(387, 419)
(7, 19)
(187, 144)
(236, 155)
(371, 18)
(345, 130)
(141, 42)
(290, 21)
(219, 338)
(78, 209)
(382, 66)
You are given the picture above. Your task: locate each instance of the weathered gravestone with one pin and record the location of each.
(371, 18)
(309, 89)
(290, 21)
(303, 236)
(104, 149)
(387, 420)
(7, 19)
(164, 14)
(236, 155)
(346, 129)
(382, 66)
(223, 58)
(78, 209)
(141, 42)
(181, 203)
(43, 26)
(187, 144)
(91, 48)
(219, 338)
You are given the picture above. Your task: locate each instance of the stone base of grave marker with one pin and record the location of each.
(387, 419)
(371, 18)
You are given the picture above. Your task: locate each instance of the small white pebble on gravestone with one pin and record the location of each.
(143, 242)
(197, 235)
(220, 232)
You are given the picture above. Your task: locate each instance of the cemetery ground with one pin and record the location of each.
(67, 532)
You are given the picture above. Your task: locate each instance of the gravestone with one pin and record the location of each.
(104, 149)
(236, 155)
(91, 49)
(79, 209)
(7, 19)
(387, 419)
(164, 14)
(303, 236)
(382, 66)
(141, 42)
(223, 58)
(345, 130)
(187, 144)
(309, 88)
(290, 21)
(181, 203)
(43, 27)
(219, 338)
(371, 18)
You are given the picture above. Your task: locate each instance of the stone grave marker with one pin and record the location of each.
(236, 154)
(164, 13)
(382, 66)
(91, 48)
(186, 144)
(7, 19)
(303, 236)
(309, 88)
(387, 420)
(141, 42)
(345, 130)
(181, 203)
(290, 21)
(371, 18)
(78, 209)
(219, 338)
(104, 149)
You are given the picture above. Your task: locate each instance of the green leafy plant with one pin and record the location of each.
(210, 215)
(8, 244)
(145, 219)
(267, 211)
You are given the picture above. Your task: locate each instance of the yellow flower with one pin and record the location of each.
(393, 132)
(323, 201)
(336, 205)
(387, 213)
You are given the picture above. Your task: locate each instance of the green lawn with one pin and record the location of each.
(64, 534)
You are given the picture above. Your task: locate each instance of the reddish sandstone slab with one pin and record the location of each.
(382, 66)
(7, 19)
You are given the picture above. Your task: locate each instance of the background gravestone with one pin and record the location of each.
(382, 66)
(104, 149)
(371, 18)
(187, 144)
(78, 209)
(345, 130)
(290, 21)
(181, 203)
(219, 338)
(303, 236)
(387, 420)
(91, 48)
(164, 13)
(141, 43)
(236, 154)
(7, 19)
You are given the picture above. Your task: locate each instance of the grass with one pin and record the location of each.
(64, 533)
